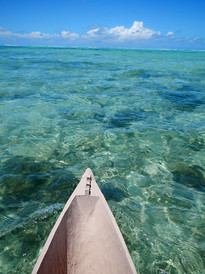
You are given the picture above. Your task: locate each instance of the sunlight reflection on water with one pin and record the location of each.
(136, 118)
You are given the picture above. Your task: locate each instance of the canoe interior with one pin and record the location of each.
(86, 241)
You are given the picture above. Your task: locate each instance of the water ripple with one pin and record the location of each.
(136, 117)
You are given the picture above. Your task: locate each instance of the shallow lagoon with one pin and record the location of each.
(136, 117)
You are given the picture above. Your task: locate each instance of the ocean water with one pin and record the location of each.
(136, 118)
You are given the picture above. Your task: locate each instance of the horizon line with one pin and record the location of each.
(93, 47)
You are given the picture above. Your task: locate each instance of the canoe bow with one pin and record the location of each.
(85, 238)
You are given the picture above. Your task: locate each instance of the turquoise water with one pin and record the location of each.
(136, 117)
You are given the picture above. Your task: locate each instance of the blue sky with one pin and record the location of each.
(104, 23)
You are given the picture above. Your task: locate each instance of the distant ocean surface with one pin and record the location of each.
(136, 118)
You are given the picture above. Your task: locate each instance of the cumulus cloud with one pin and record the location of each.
(34, 34)
(118, 33)
(38, 34)
(5, 32)
(169, 33)
(137, 36)
(121, 33)
(67, 34)
(92, 33)
(136, 31)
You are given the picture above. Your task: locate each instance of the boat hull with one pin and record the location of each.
(85, 238)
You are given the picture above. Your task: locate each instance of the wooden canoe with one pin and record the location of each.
(86, 238)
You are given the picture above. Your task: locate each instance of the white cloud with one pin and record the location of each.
(38, 34)
(169, 33)
(118, 34)
(93, 32)
(67, 34)
(121, 34)
(34, 34)
(5, 32)
(136, 31)
(137, 36)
